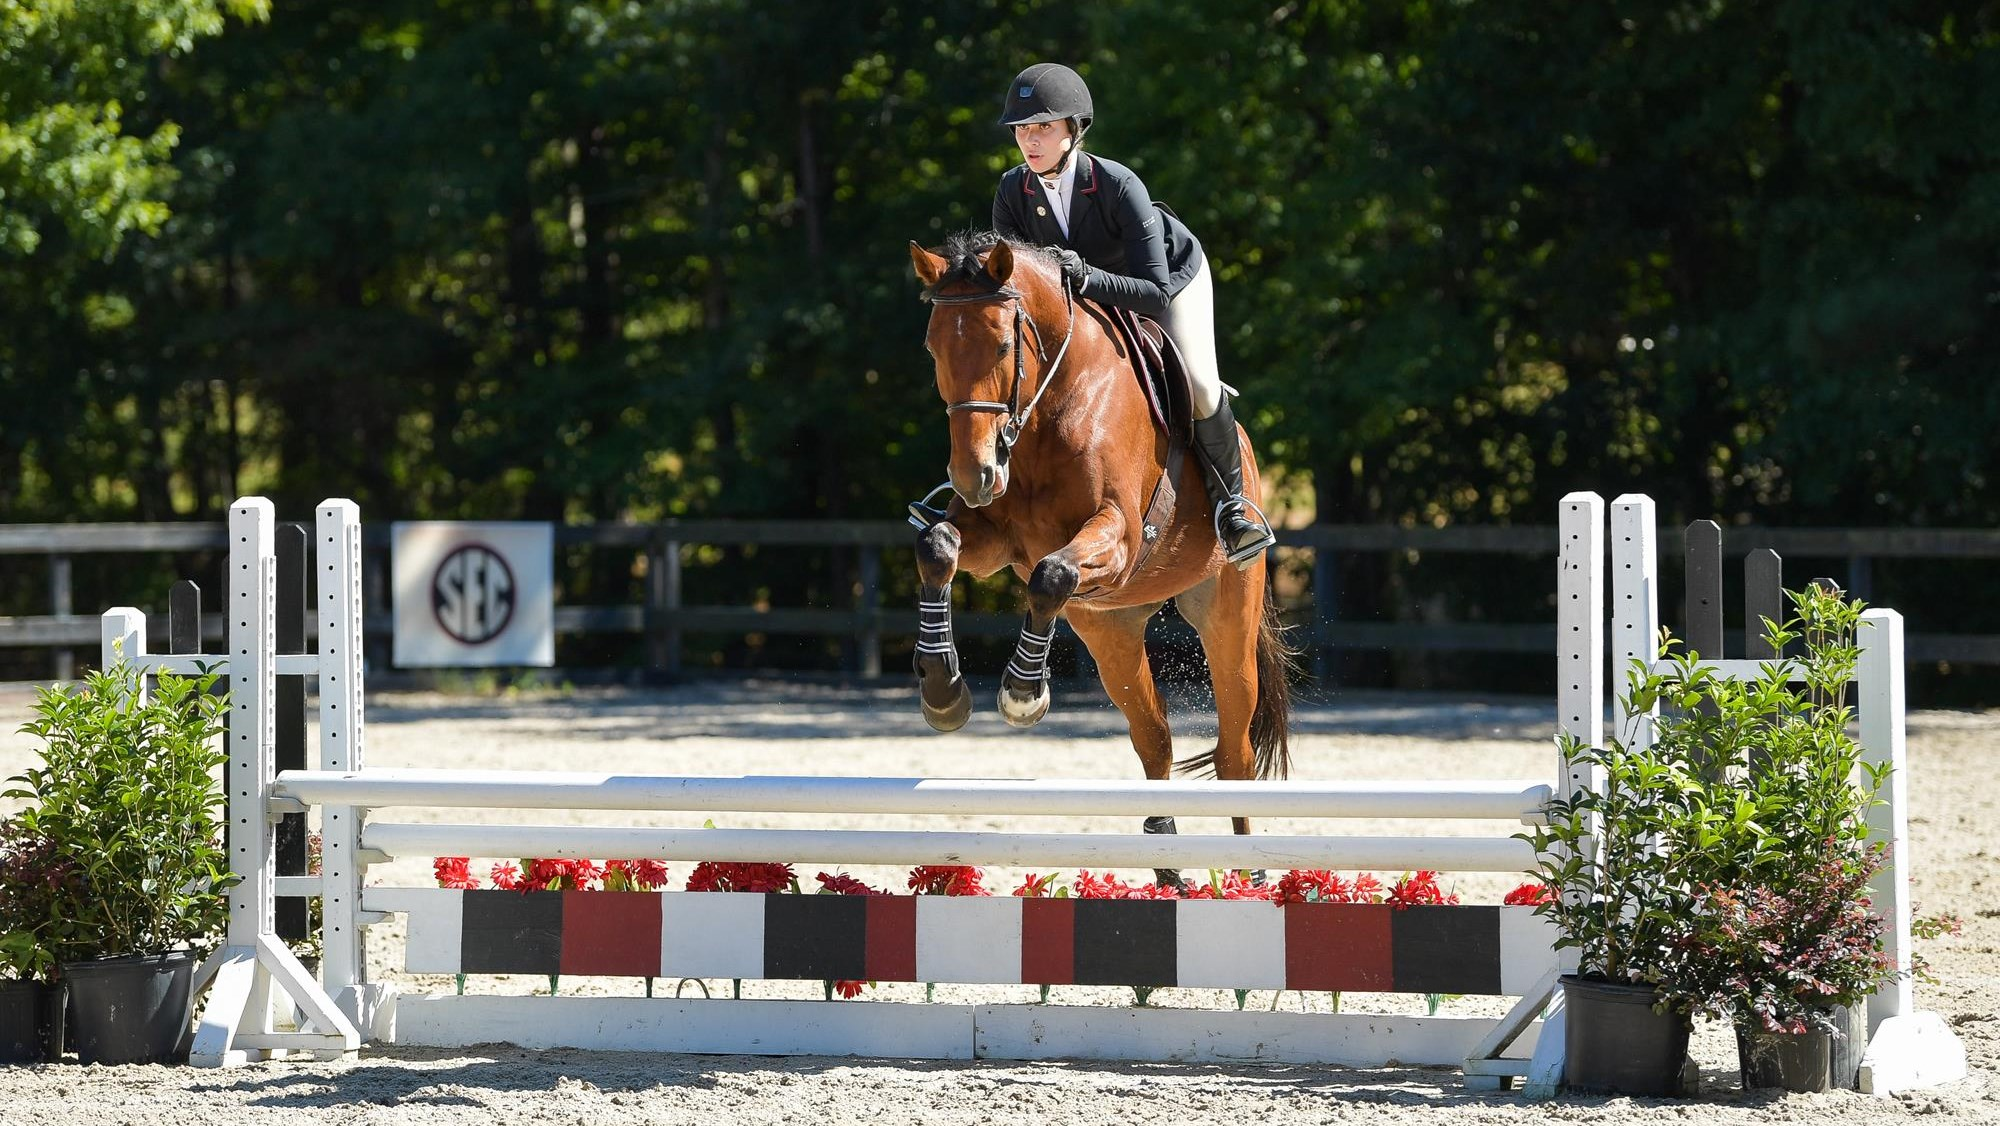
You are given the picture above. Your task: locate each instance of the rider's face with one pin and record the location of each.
(1043, 143)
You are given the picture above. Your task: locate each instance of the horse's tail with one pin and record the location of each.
(1271, 719)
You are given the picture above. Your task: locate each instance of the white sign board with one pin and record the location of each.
(473, 593)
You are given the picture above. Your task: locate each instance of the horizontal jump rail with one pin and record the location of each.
(896, 847)
(1508, 800)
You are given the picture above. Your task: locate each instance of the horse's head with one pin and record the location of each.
(981, 328)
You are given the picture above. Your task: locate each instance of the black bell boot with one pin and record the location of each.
(1241, 529)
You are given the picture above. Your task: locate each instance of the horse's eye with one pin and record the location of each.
(1006, 345)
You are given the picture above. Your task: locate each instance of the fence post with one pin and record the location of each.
(663, 602)
(61, 604)
(867, 632)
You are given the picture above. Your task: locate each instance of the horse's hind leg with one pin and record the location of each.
(1117, 642)
(1227, 612)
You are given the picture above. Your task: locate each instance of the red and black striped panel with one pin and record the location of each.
(1098, 942)
(852, 937)
(1326, 946)
(1373, 947)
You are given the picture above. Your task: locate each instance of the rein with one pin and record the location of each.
(1017, 416)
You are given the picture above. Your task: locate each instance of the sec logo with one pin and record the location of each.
(472, 594)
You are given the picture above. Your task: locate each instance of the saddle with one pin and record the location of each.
(1163, 380)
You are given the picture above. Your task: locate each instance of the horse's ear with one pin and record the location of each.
(1000, 263)
(929, 266)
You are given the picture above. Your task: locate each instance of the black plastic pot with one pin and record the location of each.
(133, 1009)
(1794, 1061)
(31, 1022)
(1614, 1043)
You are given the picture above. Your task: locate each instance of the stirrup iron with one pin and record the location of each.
(923, 516)
(1244, 556)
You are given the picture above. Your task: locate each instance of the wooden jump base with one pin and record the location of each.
(998, 941)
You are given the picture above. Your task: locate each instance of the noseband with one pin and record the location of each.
(1017, 416)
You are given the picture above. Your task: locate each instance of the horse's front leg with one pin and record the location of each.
(942, 549)
(1096, 554)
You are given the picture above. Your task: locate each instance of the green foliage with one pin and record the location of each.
(1781, 857)
(1620, 901)
(602, 260)
(1725, 858)
(126, 789)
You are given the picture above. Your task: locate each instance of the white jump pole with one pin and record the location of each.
(1508, 800)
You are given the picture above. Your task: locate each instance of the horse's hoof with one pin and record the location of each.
(1028, 712)
(1168, 878)
(952, 716)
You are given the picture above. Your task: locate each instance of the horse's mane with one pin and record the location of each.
(962, 250)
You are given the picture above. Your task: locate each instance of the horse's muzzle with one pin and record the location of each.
(991, 486)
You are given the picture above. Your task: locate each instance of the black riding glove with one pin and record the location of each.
(1074, 268)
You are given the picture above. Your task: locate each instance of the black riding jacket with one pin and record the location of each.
(1141, 255)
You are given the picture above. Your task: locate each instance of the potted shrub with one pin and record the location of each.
(127, 791)
(33, 872)
(1785, 945)
(1620, 900)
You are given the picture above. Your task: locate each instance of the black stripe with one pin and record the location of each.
(507, 932)
(816, 936)
(1438, 949)
(1126, 942)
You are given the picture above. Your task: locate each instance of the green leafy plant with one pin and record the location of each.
(1620, 900)
(1781, 858)
(126, 791)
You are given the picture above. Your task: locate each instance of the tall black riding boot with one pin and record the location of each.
(1238, 525)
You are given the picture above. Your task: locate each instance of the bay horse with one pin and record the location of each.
(1054, 457)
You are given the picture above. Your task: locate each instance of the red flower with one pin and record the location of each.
(1111, 887)
(1313, 885)
(507, 877)
(712, 875)
(1528, 895)
(1365, 889)
(634, 875)
(1037, 887)
(578, 875)
(946, 879)
(844, 884)
(1420, 888)
(453, 872)
(1232, 884)
(850, 989)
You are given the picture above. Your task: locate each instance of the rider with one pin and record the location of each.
(1119, 248)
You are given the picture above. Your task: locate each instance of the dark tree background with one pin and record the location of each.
(599, 261)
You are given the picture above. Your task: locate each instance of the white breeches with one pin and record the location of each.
(1190, 320)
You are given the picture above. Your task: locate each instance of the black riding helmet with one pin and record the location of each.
(1048, 92)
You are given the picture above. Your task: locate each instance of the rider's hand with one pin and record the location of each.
(1074, 268)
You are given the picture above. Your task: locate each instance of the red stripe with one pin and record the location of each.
(1087, 171)
(1339, 946)
(1048, 941)
(892, 938)
(611, 933)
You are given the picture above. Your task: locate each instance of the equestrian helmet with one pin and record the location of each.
(1047, 92)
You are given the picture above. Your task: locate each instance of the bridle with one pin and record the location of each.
(1017, 415)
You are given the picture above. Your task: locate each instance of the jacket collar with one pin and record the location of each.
(1085, 173)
